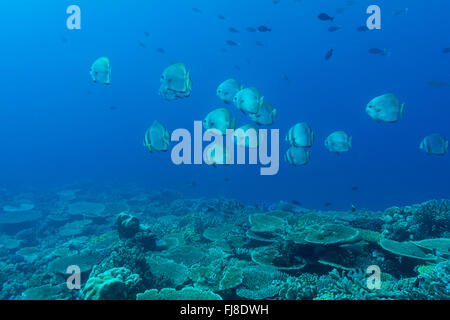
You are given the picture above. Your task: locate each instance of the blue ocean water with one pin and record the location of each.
(78, 188)
(58, 126)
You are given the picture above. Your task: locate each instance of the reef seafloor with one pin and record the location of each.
(148, 245)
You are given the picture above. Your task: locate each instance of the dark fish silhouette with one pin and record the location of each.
(64, 40)
(231, 43)
(324, 17)
(275, 1)
(196, 10)
(340, 10)
(259, 43)
(142, 45)
(223, 50)
(296, 202)
(161, 50)
(113, 108)
(328, 204)
(362, 28)
(329, 54)
(355, 188)
(233, 30)
(221, 17)
(147, 34)
(264, 29)
(446, 50)
(251, 29)
(333, 28)
(378, 51)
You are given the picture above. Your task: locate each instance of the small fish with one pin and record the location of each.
(297, 156)
(259, 43)
(142, 45)
(233, 30)
(355, 188)
(353, 208)
(266, 115)
(328, 204)
(362, 28)
(248, 100)
(219, 119)
(176, 82)
(196, 10)
(325, 17)
(446, 50)
(113, 108)
(64, 40)
(161, 50)
(275, 1)
(329, 54)
(334, 28)
(251, 29)
(146, 34)
(340, 10)
(296, 202)
(228, 89)
(264, 29)
(377, 51)
(223, 49)
(226, 179)
(157, 138)
(232, 43)
(221, 17)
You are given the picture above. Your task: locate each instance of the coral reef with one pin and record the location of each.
(130, 243)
